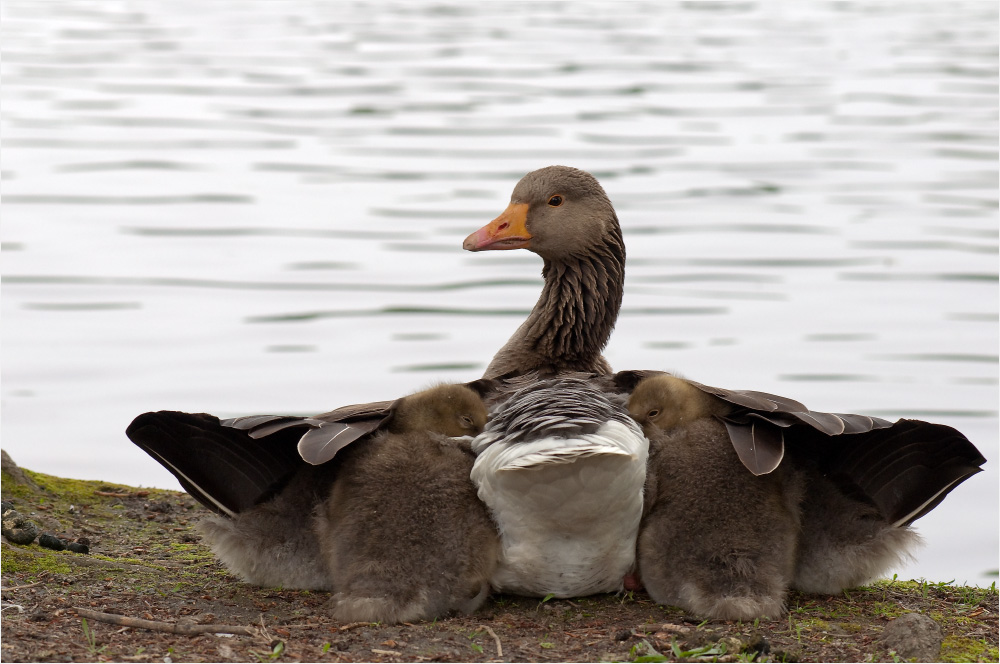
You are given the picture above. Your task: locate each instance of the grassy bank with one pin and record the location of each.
(146, 563)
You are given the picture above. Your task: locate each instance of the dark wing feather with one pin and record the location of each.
(357, 412)
(907, 468)
(222, 468)
(324, 435)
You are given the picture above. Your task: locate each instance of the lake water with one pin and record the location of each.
(246, 207)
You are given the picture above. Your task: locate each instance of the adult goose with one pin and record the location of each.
(843, 488)
(563, 215)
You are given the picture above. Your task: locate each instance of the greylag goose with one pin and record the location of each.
(716, 540)
(402, 532)
(901, 470)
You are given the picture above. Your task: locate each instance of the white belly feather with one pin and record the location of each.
(567, 508)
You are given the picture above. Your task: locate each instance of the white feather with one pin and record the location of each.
(567, 508)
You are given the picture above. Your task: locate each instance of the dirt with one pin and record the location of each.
(146, 561)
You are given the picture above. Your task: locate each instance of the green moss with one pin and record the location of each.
(22, 561)
(72, 491)
(850, 628)
(963, 649)
(812, 624)
(885, 609)
(130, 561)
(12, 489)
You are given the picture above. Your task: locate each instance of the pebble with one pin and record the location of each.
(913, 636)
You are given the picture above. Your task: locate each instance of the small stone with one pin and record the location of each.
(913, 636)
(757, 644)
(733, 645)
(623, 635)
(50, 541)
(17, 528)
(76, 547)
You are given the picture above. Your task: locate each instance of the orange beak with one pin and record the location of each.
(508, 231)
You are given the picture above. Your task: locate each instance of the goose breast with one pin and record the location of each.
(561, 466)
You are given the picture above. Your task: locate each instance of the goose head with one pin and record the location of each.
(450, 410)
(556, 212)
(563, 215)
(665, 402)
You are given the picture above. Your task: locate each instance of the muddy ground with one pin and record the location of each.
(146, 562)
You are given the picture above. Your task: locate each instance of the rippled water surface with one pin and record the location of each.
(258, 207)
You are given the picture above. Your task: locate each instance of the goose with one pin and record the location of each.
(900, 470)
(563, 215)
(716, 540)
(402, 533)
(280, 521)
(561, 466)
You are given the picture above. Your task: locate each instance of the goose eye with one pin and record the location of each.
(556, 201)
(653, 413)
(466, 421)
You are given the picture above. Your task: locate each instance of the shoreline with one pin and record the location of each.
(147, 566)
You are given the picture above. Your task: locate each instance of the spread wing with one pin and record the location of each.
(906, 468)
(320, 436)
(222, 468)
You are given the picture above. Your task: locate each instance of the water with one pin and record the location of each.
(258, 207)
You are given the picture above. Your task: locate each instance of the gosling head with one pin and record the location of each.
(450, 410)
(665, 402)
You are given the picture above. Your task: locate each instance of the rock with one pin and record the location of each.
(76, 547)
(17, 528)
(12, 471)
(50, 541)
(913, 636)
(757, 645)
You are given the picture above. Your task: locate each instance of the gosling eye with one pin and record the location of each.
(556, 201)
(653, 413)
(466, 421)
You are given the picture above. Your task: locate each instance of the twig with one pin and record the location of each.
(489, 630)
(122, 494)
(344, 628)
(21, 587)
(172, 628)
(386, 652)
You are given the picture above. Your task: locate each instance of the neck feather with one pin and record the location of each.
(573, 318)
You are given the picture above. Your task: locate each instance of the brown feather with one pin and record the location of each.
(759, 444)
(905, 469)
